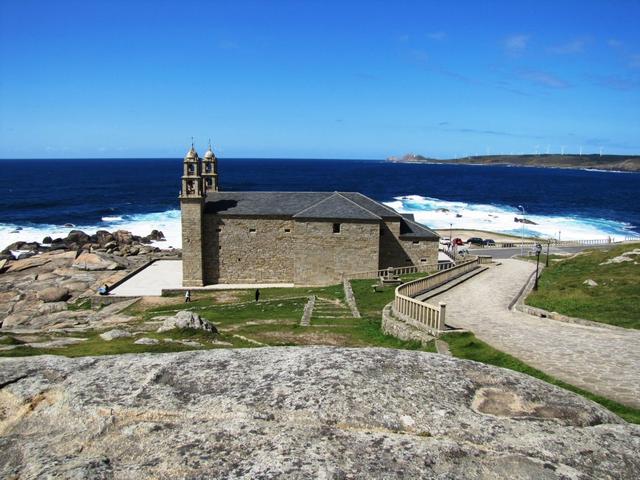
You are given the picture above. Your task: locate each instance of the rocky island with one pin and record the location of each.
(622, 163)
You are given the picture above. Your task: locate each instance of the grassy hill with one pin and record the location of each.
(625, 163)
(616, 298)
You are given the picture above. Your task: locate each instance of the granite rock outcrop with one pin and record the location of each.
(300, 413)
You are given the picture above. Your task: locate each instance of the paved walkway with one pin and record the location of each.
(602, 360)
(167, 275)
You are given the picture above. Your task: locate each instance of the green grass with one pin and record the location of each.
(94, 345)
(9, 340)
(371, 303)
(466, 345)
(616, 299)
(80, 305)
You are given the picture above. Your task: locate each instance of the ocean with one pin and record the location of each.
(38, 197)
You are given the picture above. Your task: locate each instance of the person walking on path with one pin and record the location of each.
(187, 296)
(257, 294)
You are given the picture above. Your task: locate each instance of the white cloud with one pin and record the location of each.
(516, 44)
(438, 36)
(544, 79)
(574, 46)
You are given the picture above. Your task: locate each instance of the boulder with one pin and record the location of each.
(53, 307)
(186, 319)
(316, 412)
(95, 261)
(53, 294)
(74, 285)
(113, 334)
(13, 246)
(77, 237)
(146, 341)
(103, 237)
(123, 237)
(157, 236)
(47, 239)
(27, 263)
(590, 283)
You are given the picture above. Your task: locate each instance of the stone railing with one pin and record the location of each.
(423, 315)
(397, 271)
(515, 243)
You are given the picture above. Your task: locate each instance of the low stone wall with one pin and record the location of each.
(539, 312)
(350, 298)
(402, 330)
(305, 321)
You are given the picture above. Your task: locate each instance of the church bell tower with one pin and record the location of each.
(191, 175)
(192, 206)
(210, 171)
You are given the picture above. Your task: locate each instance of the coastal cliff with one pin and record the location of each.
(623, 163)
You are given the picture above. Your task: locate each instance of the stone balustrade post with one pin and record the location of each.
(443, 315)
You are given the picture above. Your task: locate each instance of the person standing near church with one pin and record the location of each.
(187, 296)
(257, 294)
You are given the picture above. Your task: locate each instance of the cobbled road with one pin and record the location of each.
(604, 361)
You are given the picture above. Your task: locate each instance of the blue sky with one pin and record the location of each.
(84, 79)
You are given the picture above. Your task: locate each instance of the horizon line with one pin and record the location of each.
(389, 158)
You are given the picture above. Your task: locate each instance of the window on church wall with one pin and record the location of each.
(252, 230)
(416, 242)
(336, 228)
(287, 230)
(191, 169)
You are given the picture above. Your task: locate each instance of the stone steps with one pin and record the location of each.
(326, 309)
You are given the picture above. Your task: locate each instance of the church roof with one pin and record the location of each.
(337, 206)
(414, 230)
(312, 205)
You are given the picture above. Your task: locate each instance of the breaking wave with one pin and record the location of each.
(432, 212)
(138, 224)
(441, 214)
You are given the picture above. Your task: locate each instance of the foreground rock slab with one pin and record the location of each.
(299, 413)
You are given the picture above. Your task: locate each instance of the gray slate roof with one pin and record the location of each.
(337, 206)
(313, 205)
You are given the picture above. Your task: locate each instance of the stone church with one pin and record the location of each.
(304, 238)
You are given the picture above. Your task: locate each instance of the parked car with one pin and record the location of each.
(475, 241)
(458, 242)
(488, 242)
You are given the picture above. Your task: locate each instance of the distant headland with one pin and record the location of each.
(624, 163)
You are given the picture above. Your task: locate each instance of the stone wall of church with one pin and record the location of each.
(395, 252)
(191, 210)
(420, 252)
(321, 256)
(249, 250)
(392, 253)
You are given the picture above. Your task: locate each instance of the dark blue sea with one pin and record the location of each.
(38, 197)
